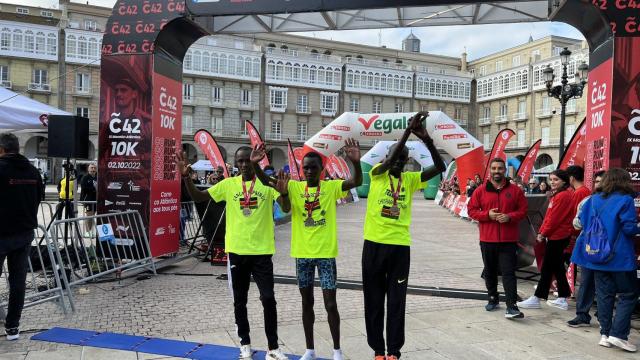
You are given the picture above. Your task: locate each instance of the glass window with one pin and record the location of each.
(245, 97)
(568, 133)
(545, 136)
(40, 76)
(303, 104)
(503, 110)
(83, 82)
(302, 131)
(354, 106)
(398, 108)
(82, 111)
(521, 138)
(328, 104)
(4, 73)
(522, 107)
(276, 130)
(187, 124)
(187, 92)
(377, 107)
(486, 140)
(499, 65)
(217, 124)
(216, 94)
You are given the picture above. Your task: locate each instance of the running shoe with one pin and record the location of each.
(622, 344)
(578, 322)
(560, 303)
(531, 303)
(513, 313)
(12, 333)
(276, 354)
(603, 341)
(245, 352)
(491, 306)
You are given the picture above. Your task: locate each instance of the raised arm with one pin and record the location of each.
(282, 186)
(352, 149)
(183, 168)
(421, 133)
(258, 153)
(389, 160)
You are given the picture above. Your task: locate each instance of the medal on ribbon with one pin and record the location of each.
(246, 202)
(310, 206)
(395, 193)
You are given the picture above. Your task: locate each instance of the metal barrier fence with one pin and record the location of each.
(46, 280)
(122, 246)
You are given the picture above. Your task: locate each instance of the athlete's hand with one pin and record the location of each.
(258, 153)
(417, 127)
(182, 165)
(352, 149)
(282, 183)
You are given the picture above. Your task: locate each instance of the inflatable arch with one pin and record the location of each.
(446, 134)
(417, 151)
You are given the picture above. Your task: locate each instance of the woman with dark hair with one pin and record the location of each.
(556, 229)
(615, 276)
(544, 187)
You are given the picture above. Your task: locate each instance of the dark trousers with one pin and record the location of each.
(500, 256)
(586, 292)
(242, 267)
(608, 285)
(553, 265)
(17, 264)
(385, 272)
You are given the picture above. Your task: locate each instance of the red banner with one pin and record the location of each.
(526, 166)
(345, 168)
(575, 152)
(498, 150)
(334, 167)
(599, 120)
(210, 147)
(256, 139)
(298, 154)
(293, 163)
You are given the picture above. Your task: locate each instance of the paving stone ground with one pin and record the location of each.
(187, 302)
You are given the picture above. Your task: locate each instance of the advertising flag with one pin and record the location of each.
(293, 163)
(345, 168)
(576, 151)
(526, 166)
(256, 139)
(298, 154)
(209, 146)
(498, 148)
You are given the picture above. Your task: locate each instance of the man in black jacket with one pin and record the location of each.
(20, 192)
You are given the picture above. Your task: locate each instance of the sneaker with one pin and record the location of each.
(604, 342)
(12, 334)
(622, 344)
(560, 303)
(578, 322)
(276, 354)
(531, 303)
(513, 313)
(380, 357)
(491, 306)
(245, 352)
(309, 355)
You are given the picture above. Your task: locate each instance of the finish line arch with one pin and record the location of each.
(146, 41)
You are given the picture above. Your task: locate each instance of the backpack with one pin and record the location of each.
(597, 248)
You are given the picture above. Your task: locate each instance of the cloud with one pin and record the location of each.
(479, 40)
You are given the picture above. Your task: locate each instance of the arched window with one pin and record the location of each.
(383, 82)
(313, 73)
(350, 78)
(288, 72)
(223, 64)
(71, 45)
(240, 66)
(327, 52)
(256, 68)
(376, 81)
(29, 41)
(248, 67)
(206, 62)
(321, 75)
(271, 69)
(197, 60)
(187, 62)
(296, 72)
(5, 39)
(83, 47)
(396, 83)
(305, 73)
(17, 40)
(215, 63)
(52, 43)
(232, 65)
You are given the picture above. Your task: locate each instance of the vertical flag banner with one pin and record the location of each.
(298, 154)
(293, 163)
(256, 139)
(575, 152)
(526, 166)
(210, 147)
(345, 167)
(498, 149)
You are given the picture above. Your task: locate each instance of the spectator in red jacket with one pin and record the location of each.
(498, 206)
(556, 230)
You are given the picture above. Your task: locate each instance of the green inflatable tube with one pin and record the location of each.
(363, 190)
(432, 187)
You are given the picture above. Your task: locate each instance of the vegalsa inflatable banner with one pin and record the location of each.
(446, 134)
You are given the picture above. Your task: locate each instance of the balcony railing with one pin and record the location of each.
(543, 113)
(247, 104)
(550, 142)
(6, 84)
(502, 119)
(187, 99)
(278, 107)
(377, 63)
(216, 102)
(484, 121)
(303, 55)
(520, 116)
(328, 112)
(39, 87)
(82, 90)
(302, 109)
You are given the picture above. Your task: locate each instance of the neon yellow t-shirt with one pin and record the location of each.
(247, 235)
(380, 225)
(319, 241)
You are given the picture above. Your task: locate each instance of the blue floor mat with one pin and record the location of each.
(143, 344)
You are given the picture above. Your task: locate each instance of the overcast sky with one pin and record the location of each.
(478, 40)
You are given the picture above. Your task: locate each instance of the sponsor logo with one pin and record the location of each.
(465, 145)
(121, 203)
(341, 127)
(133, 186)
(371, 133)
(330, 137)
(320, 145)
(114, 185)
(172, 229)
(107, 203)
(454, 136)
(445, 126)
(373, 156)
(505, 135)
(122, 196)
(202, 138)
(383, 125)
(135, 203)
(160, 231)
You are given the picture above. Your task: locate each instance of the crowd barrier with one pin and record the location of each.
(46, 278)
(120, 245)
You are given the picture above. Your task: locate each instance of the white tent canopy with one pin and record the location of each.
(18, 112)
(202, 165)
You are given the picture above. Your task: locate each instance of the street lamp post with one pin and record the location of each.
(565, 91)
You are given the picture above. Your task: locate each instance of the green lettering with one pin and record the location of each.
(397, 124)
(387, 125)
(376, 125)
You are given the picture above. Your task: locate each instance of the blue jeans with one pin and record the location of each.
(586, 293)
(608, 284)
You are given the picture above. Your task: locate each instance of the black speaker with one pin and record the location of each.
(68, 137)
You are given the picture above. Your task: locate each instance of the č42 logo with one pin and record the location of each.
(385, 125)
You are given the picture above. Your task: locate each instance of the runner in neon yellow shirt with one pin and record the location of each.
(314, 241)
(249, 241)
(385, 256)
